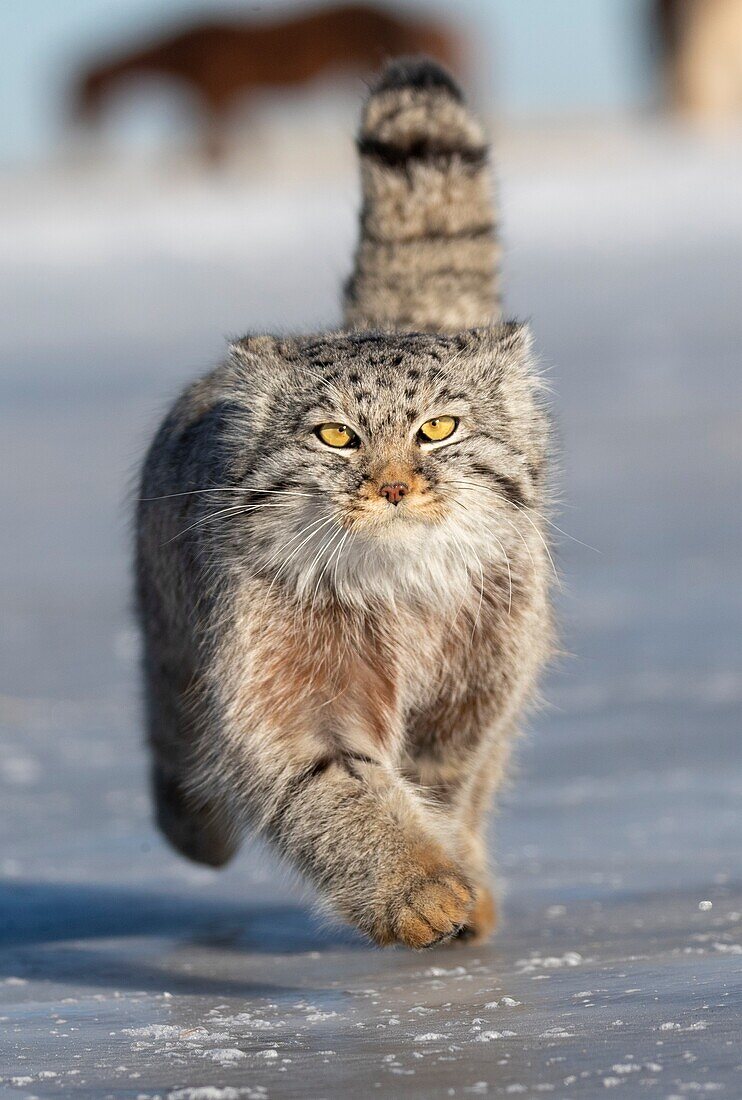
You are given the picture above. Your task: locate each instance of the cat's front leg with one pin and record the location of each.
(369, 844)
(463, 774)
(466, 818)
(308, 738)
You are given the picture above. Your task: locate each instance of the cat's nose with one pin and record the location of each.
(393, 491)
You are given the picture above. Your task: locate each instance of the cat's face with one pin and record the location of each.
(369, 447)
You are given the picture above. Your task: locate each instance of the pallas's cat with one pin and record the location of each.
(342, 567)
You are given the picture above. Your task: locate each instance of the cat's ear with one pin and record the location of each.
(505, 370)
(255, 365)
(257, 360)
(254, 351)
(510, 337)
(515, 338)
(499, 346)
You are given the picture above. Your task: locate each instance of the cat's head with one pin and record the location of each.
(368, 450)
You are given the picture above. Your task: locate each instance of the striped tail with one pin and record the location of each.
(428, 254)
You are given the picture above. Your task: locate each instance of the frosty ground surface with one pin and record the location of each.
(125, 972)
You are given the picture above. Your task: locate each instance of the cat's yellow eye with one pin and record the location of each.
(337, 435)
(440, 427)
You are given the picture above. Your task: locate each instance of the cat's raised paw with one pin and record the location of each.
(432, 911)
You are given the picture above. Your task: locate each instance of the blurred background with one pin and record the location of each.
(175, 172)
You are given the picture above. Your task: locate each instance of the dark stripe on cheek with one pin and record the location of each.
(512, 490)
(258, 493)
(509, 488)
(536, 470)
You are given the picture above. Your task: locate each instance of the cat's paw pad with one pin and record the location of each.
(481, 921)
(433, 910)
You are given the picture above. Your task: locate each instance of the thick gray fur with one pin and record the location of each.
(344, 675)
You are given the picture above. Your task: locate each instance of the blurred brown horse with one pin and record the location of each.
(222, 62)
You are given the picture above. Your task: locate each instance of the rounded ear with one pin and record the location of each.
(253, 366)
(257, 361)
(499, 348)
(513, 337)
(253, 349)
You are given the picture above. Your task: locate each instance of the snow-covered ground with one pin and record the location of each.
(125, 972)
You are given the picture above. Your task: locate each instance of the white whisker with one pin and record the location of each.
(462, 555)
(326, 566)
(510, 575)
(565, 533)
(351, 535)
(541, 516)
(318, 555)
(482, 485)
(233, 508)
(522, 538)
(481, 599)
(233, 489)
(275, 556)
(543, 540)
(317, 528)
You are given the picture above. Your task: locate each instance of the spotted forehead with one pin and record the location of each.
(385, 378)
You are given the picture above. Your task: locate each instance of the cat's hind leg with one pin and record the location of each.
(199, 826)
(197, 829)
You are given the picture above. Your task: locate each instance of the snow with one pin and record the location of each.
(213, 1092)
(550, 962)
(155, 1031)
(225, 1056)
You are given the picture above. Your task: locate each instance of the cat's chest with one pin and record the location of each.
(431, 651)
(338, 669)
